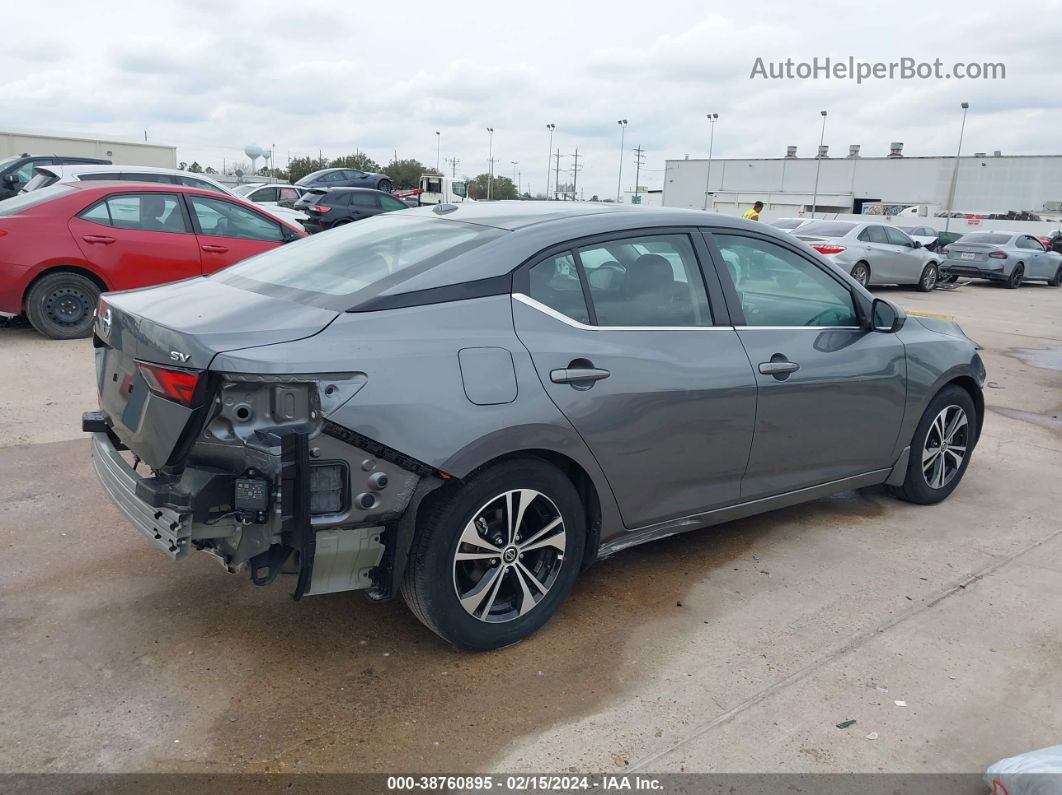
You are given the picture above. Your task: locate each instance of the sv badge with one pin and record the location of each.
(177, 356)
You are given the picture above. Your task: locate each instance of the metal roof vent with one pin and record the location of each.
(790, 151)
(824, 150)
(980, 154)
(997, 153)
(853, 150)
(896, 149)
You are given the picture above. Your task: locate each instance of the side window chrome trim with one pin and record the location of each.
(798, 328)
(553, 313)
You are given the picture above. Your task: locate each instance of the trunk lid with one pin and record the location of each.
(181, 327)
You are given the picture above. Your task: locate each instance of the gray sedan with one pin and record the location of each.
(873, 253)
(467, 405)
(1009, 258)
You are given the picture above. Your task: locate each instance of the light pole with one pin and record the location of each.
(818, 165)
(955, 173)
(515, 164)
(490, 161)
(619, 180)
(549, 155)
(438, 150)
(711, 142)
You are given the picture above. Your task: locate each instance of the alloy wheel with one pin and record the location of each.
(509, 556)
(861, 274)
(945, 447)
(929, 278)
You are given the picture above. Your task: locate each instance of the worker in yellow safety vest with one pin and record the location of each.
(754, 213)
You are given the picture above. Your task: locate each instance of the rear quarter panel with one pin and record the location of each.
(415, 399)
(33, 245)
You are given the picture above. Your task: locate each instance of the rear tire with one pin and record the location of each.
(934, 468)
(508, 581)
(1056, 280)
(929, 277)
(384, 185)
(861, 273)
(1014, 282)
(60, 305)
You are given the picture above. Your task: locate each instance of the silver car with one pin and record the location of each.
(469, 404)
(1009, 258)
(873, 253)
(790, 225)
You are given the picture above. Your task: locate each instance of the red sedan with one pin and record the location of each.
(61, 246)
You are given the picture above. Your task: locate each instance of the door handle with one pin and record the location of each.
(578, 375)
(778, 368)
(103, 240)
(214, 249)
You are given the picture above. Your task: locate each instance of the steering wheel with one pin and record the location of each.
(825, 314)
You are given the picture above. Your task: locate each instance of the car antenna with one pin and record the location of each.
(442, 209)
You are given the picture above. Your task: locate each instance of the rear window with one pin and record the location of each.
(826, 229)
(24, 201)
(981, 238)
(346, 266)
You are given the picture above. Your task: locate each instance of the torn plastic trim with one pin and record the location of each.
(382, 451)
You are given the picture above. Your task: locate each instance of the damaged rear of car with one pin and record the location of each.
(212, 434)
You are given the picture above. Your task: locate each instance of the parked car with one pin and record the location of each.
(873, 253)
(49, 175)
(268, 194)
(1009, 258)
(61, 246)
(926, 235)
(333, 207)
(16, 171)
(469, 404)
(790, 224)
(345, 178)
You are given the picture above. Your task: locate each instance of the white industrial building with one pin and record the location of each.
(118, 151)
(985, 183)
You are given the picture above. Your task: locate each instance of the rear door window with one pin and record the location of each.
(265, 195)
(875, 234)
(145, 212)
(898, 238)
(364, 200)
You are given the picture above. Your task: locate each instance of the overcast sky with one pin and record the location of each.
(211, 77)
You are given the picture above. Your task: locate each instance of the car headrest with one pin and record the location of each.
(650, 272)
(152, 206)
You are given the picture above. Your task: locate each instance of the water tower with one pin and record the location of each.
(254, 152)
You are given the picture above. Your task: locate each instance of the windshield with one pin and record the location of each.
(243, 190)
(311, 176)
(458, 188)
(346, 266)
(787, 223)
(985, 238)
(826, 229)
(41, 179)
(24, 201)
(9, 160)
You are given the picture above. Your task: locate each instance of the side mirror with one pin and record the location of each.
(918, 244)
(886, 317)
(290, 236)
(11, 180)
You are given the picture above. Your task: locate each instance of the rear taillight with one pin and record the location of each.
(944, 251)
(998, 255)
(176, 385)
(319, 208)
(827, 248)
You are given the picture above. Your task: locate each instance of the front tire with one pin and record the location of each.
(1014, 282)
(941, 448)
(493, 559)
(60, 305)
(384, 185)
(1056, 280)
(929, 277)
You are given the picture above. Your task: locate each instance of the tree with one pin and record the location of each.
(503, 188)
(359, 160)
(299, 167)
(407, 173)
(183, 165)
(210, 170)
(195, 168)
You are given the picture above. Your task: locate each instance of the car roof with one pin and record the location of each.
(514, 215)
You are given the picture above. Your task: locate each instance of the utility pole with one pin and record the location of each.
(639, 161)
(556, 182)
(438, 149)
(955, 172)
(712, 117)
(619, 179)
(453, 161)
(549, 154)
(515, 164)
(818, 165)
(575, 173)
(490, 161)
